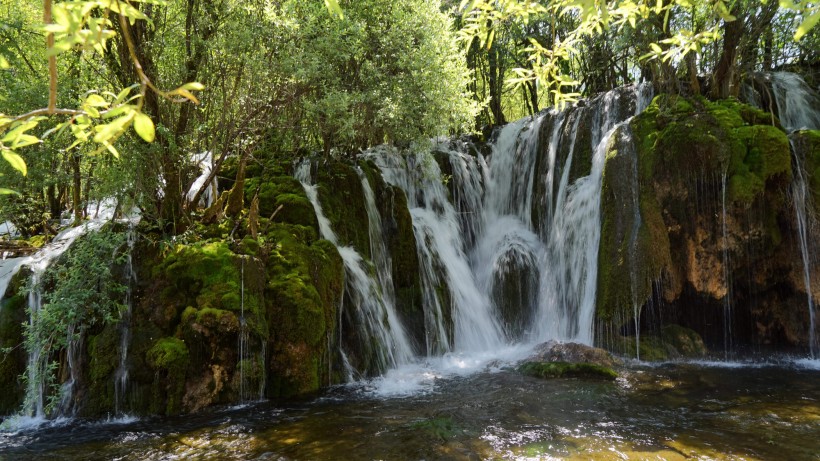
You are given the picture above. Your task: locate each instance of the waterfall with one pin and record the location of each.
(568, 290)
(205, 163)
(250, 366)
(442, 247)
(372, 307)
(500, 219)
(798, 106)
(37, 368)
(627, 146)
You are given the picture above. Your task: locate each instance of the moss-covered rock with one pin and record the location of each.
(807, 147)
(103, 350)
(546, 370)
(304, 286)
(287, 193)
(342, 199)
(687, 342)
(670, 343)
(169, 357)
(209, 275)
(687, 149)
(634, 246)
(12, 353)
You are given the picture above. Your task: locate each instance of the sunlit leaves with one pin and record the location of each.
(15, 161)
(144, 127)
(334, 8)
(595, 17)
(86, 25)
(807, 24)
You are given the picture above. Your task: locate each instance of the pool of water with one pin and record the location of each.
(704, 410)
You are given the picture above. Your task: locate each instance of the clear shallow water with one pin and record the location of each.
(704, 411)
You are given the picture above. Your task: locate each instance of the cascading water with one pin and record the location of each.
(567, 304)
(798, 106)
(442, 251)
(805, 221)
(373, 309)
(38, 365)
(205, 162)
(484, 254)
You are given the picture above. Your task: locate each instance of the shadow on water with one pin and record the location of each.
(668, 411)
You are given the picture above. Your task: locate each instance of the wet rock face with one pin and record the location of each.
(717, 225)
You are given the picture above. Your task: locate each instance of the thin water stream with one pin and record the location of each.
(671, 411)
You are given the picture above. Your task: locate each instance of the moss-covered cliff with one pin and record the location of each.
(711, 183)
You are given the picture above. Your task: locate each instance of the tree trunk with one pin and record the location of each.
(726, 66)
(236, 201)
(496, 84)
(76, 189)
(692, 70)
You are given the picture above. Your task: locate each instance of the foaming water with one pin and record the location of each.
(421, 377)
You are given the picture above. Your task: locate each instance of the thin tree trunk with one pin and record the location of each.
(76, 189)
(727, 64)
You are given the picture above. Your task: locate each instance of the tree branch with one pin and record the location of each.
(52, 61)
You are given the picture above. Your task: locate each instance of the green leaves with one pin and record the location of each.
(334, 8)
(807, 25)
(144, 127)
(15, 161)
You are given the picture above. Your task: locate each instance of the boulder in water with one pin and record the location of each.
(555, 359)
(556, 351)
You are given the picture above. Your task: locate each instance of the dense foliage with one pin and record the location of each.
(288, 77)
(81, 291)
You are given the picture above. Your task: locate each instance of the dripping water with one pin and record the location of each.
(806, 220)
(728, 313)
(121, 375)
(798, 107)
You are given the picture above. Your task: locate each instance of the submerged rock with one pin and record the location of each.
(566, 370)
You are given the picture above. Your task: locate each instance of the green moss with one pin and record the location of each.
(250, 245)
(170, 358)
(807, 147)
(216, 317)
(103, 352)
(620, 265)
(763, 157)
(168, 353)
(208, 275)
(342, 199)
(687, 342)
(304, 285)
(12, 353)
(566, 370)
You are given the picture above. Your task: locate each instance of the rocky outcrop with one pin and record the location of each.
(713, 244)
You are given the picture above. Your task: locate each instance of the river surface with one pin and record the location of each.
(768, 411)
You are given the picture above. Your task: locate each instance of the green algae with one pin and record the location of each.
(546, 370)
